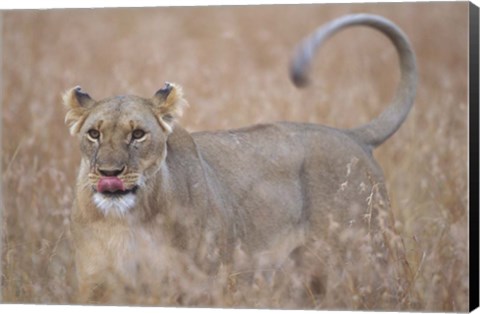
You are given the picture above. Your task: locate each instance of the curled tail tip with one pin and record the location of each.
(298, 71)
(299, 80)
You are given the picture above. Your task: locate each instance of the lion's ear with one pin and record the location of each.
(168, 105)
(78, 104)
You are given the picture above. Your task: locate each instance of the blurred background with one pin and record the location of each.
(233, 65)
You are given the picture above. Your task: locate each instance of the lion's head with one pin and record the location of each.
(123, 141)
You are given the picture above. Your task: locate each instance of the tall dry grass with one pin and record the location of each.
(232, 63)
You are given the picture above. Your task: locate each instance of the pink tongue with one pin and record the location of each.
(110, 184)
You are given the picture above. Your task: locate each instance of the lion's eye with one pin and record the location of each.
(94, 134)
(138, 134)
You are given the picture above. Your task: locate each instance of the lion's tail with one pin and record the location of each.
(378, 130)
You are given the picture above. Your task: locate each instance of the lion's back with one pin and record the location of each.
(293, 175)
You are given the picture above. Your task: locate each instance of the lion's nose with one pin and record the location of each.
(110, 172)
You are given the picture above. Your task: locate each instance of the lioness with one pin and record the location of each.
(146, 185)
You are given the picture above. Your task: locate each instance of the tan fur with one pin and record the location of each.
(273, 189)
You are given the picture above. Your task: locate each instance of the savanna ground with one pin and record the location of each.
(232, 63)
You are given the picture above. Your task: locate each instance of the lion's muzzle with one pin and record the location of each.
(114, 194)
(110, 184)
(113, 185)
